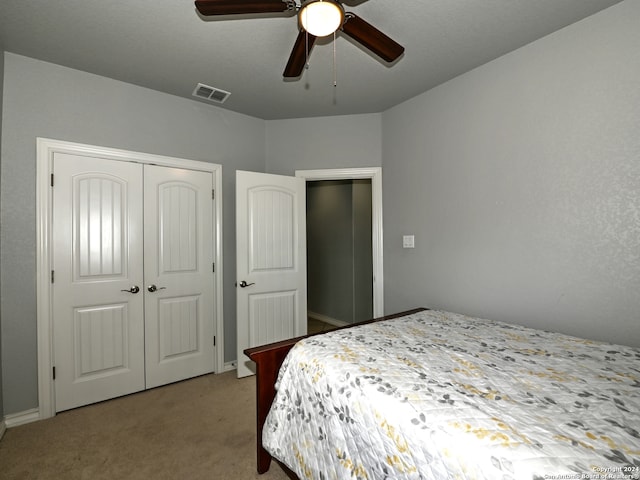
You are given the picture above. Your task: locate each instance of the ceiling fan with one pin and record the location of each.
(316, 18)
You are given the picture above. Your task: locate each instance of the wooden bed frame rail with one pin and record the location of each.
(268, 359)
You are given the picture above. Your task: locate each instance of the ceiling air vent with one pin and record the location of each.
(205, 92)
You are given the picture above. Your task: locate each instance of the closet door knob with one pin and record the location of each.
(134, 289)
(153, 288)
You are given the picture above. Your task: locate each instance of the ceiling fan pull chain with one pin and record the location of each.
(306, 50)
(335, 71)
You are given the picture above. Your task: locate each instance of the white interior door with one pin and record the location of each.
(97, 297)
(179, 290)
(271, 265)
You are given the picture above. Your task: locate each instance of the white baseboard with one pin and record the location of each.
(228, 366)
(3, 428)
(331, 321)
(20, 418)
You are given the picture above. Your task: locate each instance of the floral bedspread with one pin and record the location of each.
(437, 395)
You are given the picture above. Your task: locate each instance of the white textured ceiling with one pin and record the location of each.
(165, 45)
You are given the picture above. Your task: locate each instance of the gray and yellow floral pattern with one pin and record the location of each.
(437, 395)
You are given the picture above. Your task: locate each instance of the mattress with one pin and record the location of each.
(438, 395)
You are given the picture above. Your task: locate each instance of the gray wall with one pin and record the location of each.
(1, 95)
(330, 250)
(339, 253)
(521, 182)
(362, 250)
(323, 142)
(46, 100)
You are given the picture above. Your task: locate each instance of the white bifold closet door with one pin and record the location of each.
(178, 272)
(133, 284)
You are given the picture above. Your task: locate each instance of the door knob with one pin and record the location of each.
(153, 288)
(134, 289)
(244, 284)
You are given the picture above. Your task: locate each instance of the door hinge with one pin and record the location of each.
(54, 373)
(214, 340)
(214, 267)
(213, 194)
(52, 179)
(52, 275)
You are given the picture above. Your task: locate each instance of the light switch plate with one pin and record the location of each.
(408, 241)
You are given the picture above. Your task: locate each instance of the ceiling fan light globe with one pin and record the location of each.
(322, 17)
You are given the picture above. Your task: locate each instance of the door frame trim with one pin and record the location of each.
(45, 150)
(375, 175)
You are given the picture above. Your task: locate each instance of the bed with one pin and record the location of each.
(428, 394)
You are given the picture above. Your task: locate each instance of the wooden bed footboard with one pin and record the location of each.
(268, 359)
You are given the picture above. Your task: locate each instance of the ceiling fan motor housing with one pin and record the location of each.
(321, 17)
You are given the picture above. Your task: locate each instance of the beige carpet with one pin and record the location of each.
(202, 428)
(318, 326)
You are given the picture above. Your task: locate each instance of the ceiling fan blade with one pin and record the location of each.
(231, 7)
(372, 38)
(298, 58)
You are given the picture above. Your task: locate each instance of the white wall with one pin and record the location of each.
(46, 100)
(323, 142)
(521, 182)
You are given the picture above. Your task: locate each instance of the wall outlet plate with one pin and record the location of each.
(408, 241)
